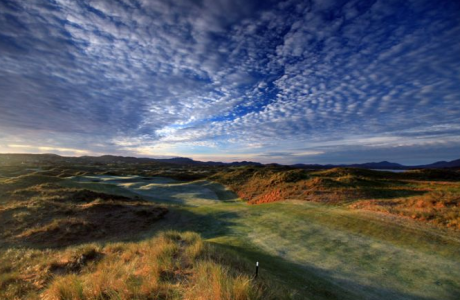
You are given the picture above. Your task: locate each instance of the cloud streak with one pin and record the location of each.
(200, 78)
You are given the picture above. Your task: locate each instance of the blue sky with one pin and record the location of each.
(318, 81)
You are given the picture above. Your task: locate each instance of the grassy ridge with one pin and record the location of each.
(50, 215)
(423, 195)
(268, 184)
(40, 210)
(441, 208)
(317, 250)
(313, 250)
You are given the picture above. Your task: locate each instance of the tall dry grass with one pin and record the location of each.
(171, 266)
(440, 208)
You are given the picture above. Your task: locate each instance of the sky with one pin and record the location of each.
(320, 81)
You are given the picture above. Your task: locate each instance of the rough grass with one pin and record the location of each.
(171, 266)
(269, 184)
(419, 194)
(314, 250)
(10, 184)
(439, 207)
(49, 215)
(321, 251)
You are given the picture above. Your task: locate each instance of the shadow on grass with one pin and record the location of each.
(208, 225)
(391, 193)
(224, 194)
(307, 282)
(194, 193)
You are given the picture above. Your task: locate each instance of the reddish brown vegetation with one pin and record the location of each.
(264, 184)
(439, 208)
(417, 194)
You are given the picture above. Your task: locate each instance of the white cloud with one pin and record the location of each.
(227, 75)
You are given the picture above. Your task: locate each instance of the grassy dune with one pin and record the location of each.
(317, 250)
(424, 195)
(306, 249)
(48, 214)
(171, 266)
(441, 207)
(47, 222)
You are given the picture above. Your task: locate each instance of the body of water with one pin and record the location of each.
(389, 170)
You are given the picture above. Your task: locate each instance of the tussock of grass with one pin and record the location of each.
(171, 266)
(439, 208)
(212, 281)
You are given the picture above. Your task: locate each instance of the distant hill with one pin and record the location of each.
(442, 165)
(7, 159)
(372, 165)
(19, 158)
(455, 164)
(378, 165)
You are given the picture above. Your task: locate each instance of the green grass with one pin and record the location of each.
(312, 250)
(319, 251)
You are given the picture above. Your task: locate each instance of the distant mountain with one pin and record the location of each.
(189, 161)
(313, 166)
(6, 159)
(442, 165)
(378, 165)
(177, 160)
(384, 165)
(14, 158)
(371, 165)
(244, 163)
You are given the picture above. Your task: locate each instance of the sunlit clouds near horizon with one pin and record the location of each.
(269, 81)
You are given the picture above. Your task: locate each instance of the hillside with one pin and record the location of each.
(268, 184)
(424, 195)
(60, 240)
(120, 232)
(36, 210)
(171, 266)
(53, 159)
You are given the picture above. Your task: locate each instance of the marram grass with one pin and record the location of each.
(172, 265)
